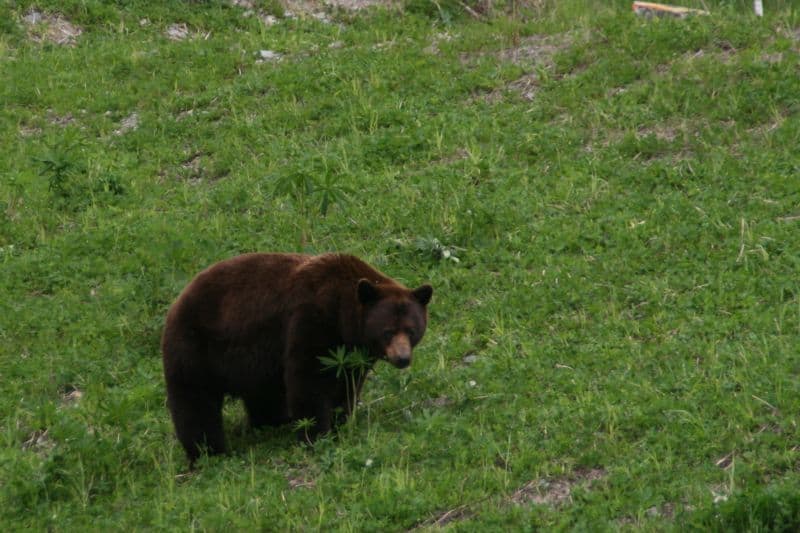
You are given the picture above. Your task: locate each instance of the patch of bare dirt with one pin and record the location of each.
(355, 5)
(312, 6)
(60, 120)
(458, 155)
(533, 53)
(433, 48)
(129, 123)
(768, 127)
(51, 28)
(38, 441)
(299, 482)
(666, 510)
(670, 131)
(772, 58)
(71, 396)
(792, 34)
(29, 131)
(558, 491)
(661, 131)
(534, 50)
(441, 401)
(192, 166)
(526, 86)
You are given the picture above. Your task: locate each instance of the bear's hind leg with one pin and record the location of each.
(267, 408)
(197, 415)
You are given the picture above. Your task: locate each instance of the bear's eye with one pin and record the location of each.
(412, 333)
(388, 335)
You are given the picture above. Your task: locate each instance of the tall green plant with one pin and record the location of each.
(351, 367)
(313, 195)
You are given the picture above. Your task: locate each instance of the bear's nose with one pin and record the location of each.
(399, 351)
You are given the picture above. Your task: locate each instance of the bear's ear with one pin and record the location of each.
(423, 294)
(367, 292)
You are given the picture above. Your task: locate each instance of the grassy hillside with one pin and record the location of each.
(607, 206)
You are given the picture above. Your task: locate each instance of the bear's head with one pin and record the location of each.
(394, 319)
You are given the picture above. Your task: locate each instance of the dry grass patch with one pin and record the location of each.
(461, 512)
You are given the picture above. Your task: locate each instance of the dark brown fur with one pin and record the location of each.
(254, 327)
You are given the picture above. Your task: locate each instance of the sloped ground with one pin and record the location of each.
(606, 206)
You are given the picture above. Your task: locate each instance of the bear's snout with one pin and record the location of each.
(398, 353)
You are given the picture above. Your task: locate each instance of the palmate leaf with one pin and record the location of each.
(343, 361)
(331, 196)
(297, 185)
(322, 192)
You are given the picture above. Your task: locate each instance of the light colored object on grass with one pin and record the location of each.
(177, 32)
(652, 8)
(268, 55)
(53, 28)
(129, 123)
(758, 7)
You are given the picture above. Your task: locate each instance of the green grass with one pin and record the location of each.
(620, 252)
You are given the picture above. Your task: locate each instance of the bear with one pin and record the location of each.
(255, 326)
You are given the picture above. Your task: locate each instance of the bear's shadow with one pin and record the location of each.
(241, 437)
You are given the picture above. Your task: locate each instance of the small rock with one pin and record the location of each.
(73, 397)
(472, 383)
(269, 55)
(33, 17)
(144, 22)
(183, 114)
(441, 401)
(129, 123)
(336, 44)
(268, 20)
(322, 17)
(177, 32)
(471, 358)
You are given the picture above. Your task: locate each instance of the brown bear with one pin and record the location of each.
(255, 327)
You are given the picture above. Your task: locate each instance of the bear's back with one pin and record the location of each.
(235, 292)
(241, 294)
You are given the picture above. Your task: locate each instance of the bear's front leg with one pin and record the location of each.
(307, 399)
(311, 392)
